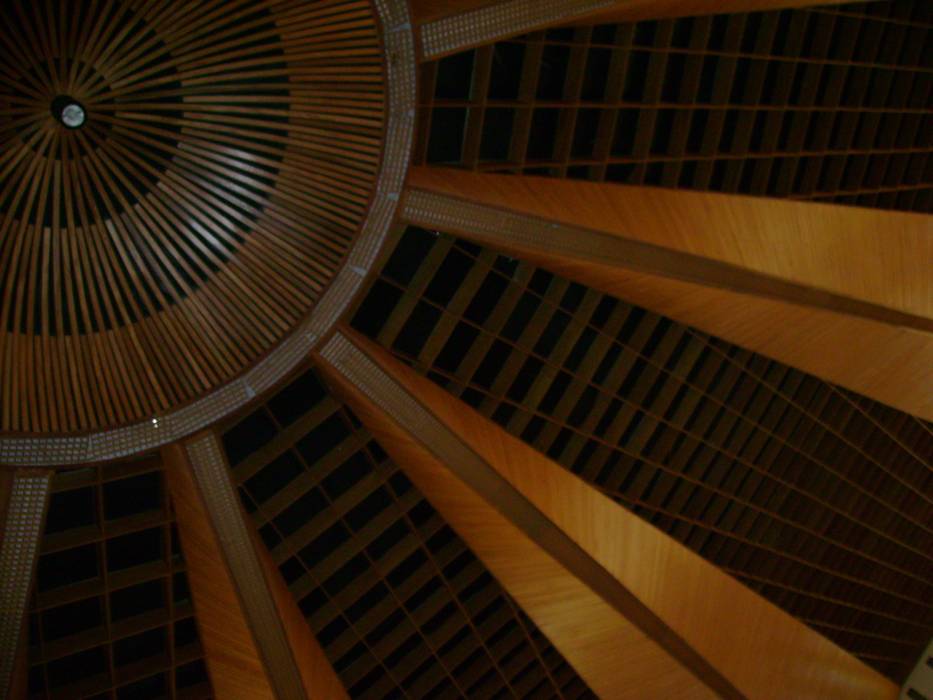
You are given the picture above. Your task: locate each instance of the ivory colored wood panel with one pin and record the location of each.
(845, 300)
(880, 257)
(757, 647)
(232, 656)
(614, 657)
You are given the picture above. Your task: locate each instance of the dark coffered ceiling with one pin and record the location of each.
(829, 104)
(111, 616)
(401, 606)
(818, 499)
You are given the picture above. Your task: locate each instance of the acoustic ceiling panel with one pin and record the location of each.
(828, 104)
(401, 606)
(817, 498)
(111, 616)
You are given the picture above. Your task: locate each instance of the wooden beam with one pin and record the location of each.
(635, 612)
(23, 502)
(256, 641)
(449, 26)
(840, 292)
(920, 680)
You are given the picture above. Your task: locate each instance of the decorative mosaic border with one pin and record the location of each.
(486, 25)
(401, 76)
(213, 477)
(21, 533)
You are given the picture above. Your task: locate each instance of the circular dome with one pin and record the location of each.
(159, 243)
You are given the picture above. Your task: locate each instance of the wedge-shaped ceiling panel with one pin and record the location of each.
(817, 498)
(400, 605)
(828, 103)
(112, 613)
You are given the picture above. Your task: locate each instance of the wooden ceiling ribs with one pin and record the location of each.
(255, 642)
(111, 613)
(477, 476)
(824, 103)
(399, 603)
(457, 25)
(811, 495)
(814, 286)
(181, 197)
(173, 261)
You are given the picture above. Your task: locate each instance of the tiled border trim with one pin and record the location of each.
(21, 534)
(213, 478)
(486, 25)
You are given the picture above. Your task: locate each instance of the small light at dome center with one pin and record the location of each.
(73, 116)
(67, 110)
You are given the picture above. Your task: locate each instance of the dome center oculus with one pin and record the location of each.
(68, 111)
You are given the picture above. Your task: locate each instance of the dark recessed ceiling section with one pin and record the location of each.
(825, 104)
(817, 498)
(112, 615)
(398, 602)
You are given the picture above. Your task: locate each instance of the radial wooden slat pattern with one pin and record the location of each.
(156, 252)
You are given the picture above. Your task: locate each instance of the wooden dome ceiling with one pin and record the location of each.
(157, 251)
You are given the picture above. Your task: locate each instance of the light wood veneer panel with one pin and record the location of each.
(758, 648)
(233, 660)
(614, 657)
(839, 292)
(872, 255)
(260, 605)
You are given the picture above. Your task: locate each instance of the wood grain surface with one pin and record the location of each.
(758, 648)
(162, 248)
(234, 664)
(844, 293)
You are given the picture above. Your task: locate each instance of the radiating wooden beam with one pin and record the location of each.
(24, 495)
(920, 680)
(844, 293)
(635, 612)
(256, 641)
(449, 26)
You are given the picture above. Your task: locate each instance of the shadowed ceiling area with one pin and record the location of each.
(817, 498)
(112, 613)
(825, 104)
(401, 606)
